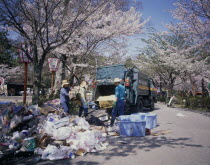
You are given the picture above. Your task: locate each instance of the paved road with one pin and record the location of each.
(188, 144)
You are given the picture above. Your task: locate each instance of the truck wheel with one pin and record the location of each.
(139, 106)
(152, 106)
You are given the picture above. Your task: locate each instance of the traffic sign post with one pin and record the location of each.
(23, 51)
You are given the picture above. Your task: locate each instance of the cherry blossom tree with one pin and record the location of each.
(61, 26)
(153, 60)
(107, 28)
(162, 60)
(194, 25)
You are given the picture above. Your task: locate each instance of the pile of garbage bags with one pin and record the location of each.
(47, 132)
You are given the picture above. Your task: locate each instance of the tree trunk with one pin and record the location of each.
(37, 83)
(37, 68)
(203, 91)
(58, 79)
(63, 74)
(171, 84)
(60, 74)
(71, 78)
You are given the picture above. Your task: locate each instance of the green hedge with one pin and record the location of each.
(161, 98)
(196, 102)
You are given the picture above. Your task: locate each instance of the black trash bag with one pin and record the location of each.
(92, 120)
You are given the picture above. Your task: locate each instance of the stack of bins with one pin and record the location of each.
(131, 125)
(151, 119)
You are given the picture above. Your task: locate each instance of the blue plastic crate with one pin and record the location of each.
(125, 118)
(142, 116)
(132, 128)
(151, 121)
(140, 113)
(132, 118)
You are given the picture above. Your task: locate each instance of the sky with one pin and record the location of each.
(158, 11)
(159, 15)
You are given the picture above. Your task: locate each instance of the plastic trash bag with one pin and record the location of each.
(25, 118)
(16, 136)
(24, 134)
(48, 128)
(87, 137)
(74, 143)
(49, 125)
(53, 153)
(15, 121)
(35, 110)
(62, 122)
(95, 121)
(82, 122)
(17, 109)
(52, 117)
(38, 151)
(62, 133)
(14, 144)
(85, 140)
(6, 116)
(97, 134)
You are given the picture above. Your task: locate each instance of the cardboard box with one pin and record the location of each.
(106, 101)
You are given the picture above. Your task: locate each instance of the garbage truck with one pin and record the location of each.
(139, 87)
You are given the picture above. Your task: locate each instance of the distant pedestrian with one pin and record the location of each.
(119, 105)
(83, 99)
(64, 96)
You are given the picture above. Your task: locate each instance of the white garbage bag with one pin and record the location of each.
(52, 117)
(82, 122)
(74, 143)
(49, 128)
(62, 122)
(16, 135)
(53, 153)
(62, 133)
(25, 118)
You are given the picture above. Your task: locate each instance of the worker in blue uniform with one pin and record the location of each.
(118, 108)
(64, 96)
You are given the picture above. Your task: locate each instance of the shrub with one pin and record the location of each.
(180, 100)
(196, 102)
(161, 98)
(207, 102)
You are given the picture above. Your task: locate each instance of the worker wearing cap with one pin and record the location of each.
(120, 100)
(64, 96)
